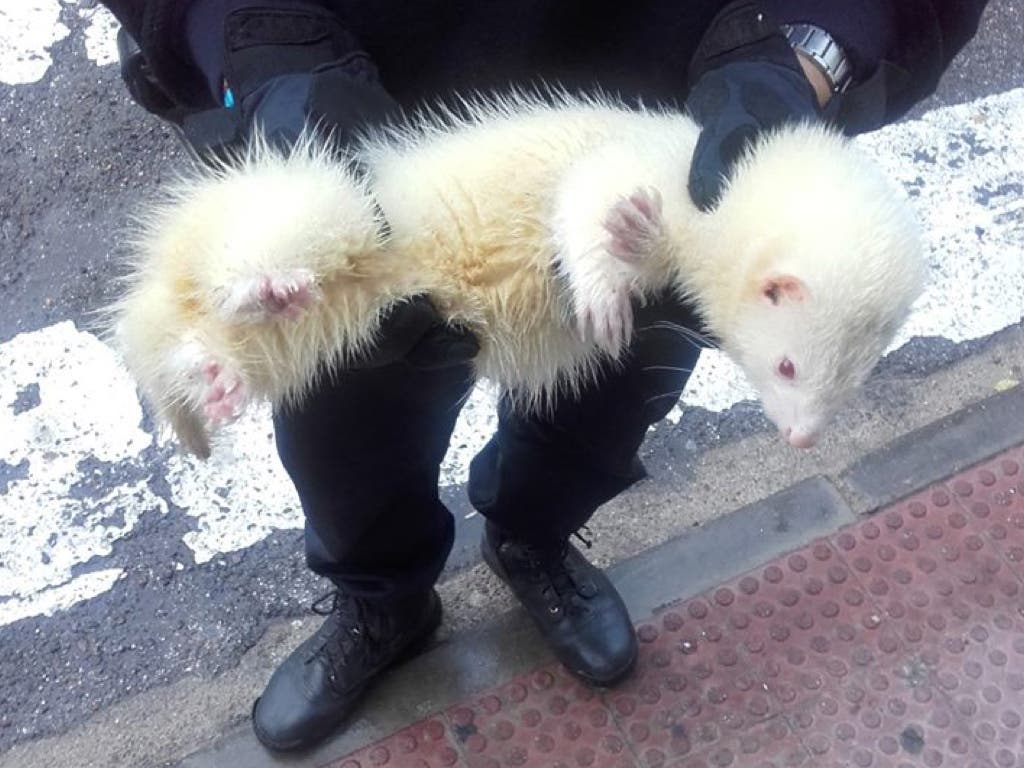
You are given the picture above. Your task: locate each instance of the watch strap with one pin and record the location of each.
(823, 50)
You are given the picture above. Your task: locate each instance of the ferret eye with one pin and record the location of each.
(786, 368)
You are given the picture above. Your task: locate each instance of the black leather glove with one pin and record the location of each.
(744, 79)
(294, 66)
(286, 66)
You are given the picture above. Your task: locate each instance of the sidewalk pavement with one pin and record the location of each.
(789, 633)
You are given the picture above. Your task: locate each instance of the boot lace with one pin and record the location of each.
(562, 590)
(344, 634)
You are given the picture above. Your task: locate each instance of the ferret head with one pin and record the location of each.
(826, 263)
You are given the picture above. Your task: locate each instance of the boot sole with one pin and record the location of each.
(416, 646)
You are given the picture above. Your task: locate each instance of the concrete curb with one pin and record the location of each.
(678, 569)
(938, 450)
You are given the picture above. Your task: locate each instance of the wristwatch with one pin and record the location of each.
(819, 46)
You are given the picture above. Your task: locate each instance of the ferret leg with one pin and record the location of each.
(269, 297)
(606, 241)
(634, 227)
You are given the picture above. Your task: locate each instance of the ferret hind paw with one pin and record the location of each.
(284, 295)
(224, 394)
(635, 225)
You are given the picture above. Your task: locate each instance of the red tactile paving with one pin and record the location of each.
(545, 718)
(882, 720)
(427, 744)
(771, 744)
(896, 642)
(993, 495)
(691, 689)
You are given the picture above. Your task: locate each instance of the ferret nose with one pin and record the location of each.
(800, 439)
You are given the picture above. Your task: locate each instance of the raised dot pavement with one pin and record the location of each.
(896, 642)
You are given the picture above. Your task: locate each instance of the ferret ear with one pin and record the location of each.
(777, 289)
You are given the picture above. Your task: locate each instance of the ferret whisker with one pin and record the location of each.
(692, 334)
(678, 368)
(655, 398)
(699, 339)
(459, 404)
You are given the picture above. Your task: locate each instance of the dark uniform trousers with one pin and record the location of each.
(364, 453)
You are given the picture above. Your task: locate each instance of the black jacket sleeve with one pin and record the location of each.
(899, 48)
(157, 27)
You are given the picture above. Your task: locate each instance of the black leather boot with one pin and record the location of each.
(319, 684)
(575, 606)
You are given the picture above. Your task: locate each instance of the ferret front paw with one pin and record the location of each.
(224, 394)
(285, 295)
(607, 318)
(605, 309)
(635, 226)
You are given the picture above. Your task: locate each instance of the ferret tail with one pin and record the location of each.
(191, 430)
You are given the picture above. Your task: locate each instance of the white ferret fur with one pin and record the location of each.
(534, 224)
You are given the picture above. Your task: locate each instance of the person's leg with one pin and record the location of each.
(541, 478)
(364, 453)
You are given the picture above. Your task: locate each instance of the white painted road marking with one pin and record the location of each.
(100, 35)
(48, 601)
(29, 27)
(65, 401)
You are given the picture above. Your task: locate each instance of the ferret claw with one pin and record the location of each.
(608, 322)
(289, 298)
(635, 224)
(286, 295)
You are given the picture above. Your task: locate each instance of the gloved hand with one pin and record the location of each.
(293, 66)
(744, 79)
(282, 66)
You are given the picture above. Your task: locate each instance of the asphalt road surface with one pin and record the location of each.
(124, 566)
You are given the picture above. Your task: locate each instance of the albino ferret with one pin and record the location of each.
(536, 225)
